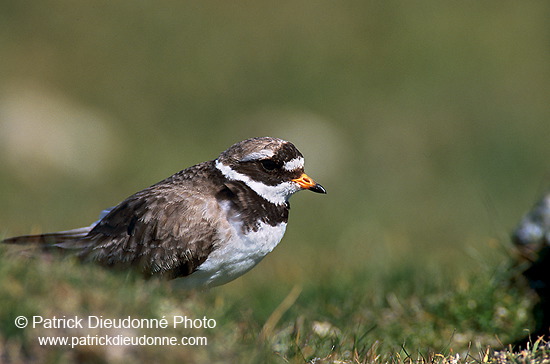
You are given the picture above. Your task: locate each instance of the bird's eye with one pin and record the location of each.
(268, 164)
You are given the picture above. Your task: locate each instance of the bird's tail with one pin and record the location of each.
(68, 239)
(62, 239)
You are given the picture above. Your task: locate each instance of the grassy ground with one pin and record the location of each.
(409, 314)
(426, 121)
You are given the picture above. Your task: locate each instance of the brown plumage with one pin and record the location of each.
(171, 228)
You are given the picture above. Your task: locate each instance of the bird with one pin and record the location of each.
(532, 235)
(531, 239)
(205, 225)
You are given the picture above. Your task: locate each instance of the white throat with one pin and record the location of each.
(278, 194)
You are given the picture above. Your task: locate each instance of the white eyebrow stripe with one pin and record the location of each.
(295, 164)
(266, 153)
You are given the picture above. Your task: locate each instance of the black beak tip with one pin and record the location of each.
(318, 189)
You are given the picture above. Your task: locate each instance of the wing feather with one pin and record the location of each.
(162, 230)
(168, 229)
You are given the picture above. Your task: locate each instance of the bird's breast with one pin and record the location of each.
(237, 254)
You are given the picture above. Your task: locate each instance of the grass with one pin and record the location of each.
(427, 122)
(405, 316)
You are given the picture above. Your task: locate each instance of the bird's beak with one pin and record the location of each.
(308, 183)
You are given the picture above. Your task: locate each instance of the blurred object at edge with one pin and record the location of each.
(532, 240)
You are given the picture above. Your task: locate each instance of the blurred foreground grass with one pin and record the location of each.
(408, 314)
(426, 121)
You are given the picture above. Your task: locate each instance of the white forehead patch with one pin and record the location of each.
(263, 154)
(293, 165)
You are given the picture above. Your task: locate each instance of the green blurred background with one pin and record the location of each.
(427, 122)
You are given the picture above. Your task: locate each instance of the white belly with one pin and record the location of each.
(236, 257)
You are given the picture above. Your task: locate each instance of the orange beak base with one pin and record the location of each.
(308, 183)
